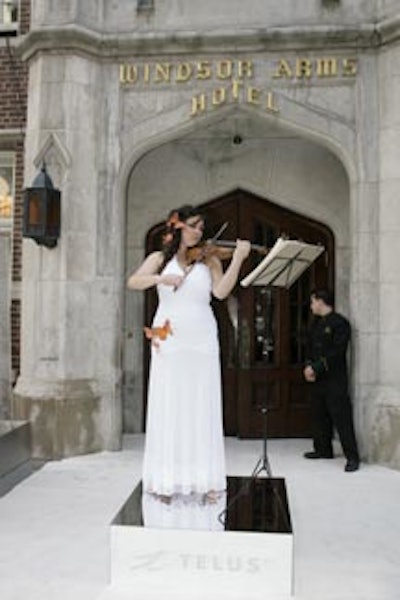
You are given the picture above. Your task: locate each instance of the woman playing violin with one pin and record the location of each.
(185, 227)
(184, 450)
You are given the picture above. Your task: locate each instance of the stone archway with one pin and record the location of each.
(263, 345)
(271, 161)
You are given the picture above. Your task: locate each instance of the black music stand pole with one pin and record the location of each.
(285, 262)
(263, 462)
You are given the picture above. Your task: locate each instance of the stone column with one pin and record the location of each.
(69, 382)
(386, 425)
(364, 246)
(5, 333)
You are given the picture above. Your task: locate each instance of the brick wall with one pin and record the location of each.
(13, 102)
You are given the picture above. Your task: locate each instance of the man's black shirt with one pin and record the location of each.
(328, 340)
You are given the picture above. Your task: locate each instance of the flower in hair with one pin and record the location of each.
(174, 222)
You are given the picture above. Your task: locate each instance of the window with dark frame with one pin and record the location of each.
(9, 16)
(7, 183)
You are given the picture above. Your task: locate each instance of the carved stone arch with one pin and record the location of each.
(168, 128)
(56, 157)
(321, 127)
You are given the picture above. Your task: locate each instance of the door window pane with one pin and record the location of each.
(299, 317)
(264, 313)
(9, 14)
(264, 325)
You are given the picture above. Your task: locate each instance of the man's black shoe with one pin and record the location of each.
(316, 455)
(352, 465)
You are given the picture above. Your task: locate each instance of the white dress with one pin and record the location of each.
(184, 447)
(184, 512)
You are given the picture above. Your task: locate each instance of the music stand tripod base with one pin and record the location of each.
(263, 462)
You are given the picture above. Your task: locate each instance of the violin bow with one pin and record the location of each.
(219, 233)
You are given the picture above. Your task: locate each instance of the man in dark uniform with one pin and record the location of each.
(326, 370)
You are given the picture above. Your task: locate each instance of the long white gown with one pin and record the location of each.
(184, 447)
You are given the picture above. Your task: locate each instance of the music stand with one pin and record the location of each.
(285, 262)
(281, 267)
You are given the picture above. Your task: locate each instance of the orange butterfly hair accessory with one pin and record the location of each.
(157, 334)
(173, 223)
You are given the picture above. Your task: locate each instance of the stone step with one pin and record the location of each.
(15, 453)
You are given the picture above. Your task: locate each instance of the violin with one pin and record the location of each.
(223, 249)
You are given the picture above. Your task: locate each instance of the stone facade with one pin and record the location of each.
(134, 110)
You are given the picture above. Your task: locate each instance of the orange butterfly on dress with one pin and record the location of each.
(157, 334)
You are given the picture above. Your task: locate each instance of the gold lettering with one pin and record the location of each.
(235, 89)
(163, 72)
(253, 95)
(303, 67)
(198, 104)
(245, 69)
(270, 105)
(184, 72)
(203, 70)
(224, 69)
(218, 96)
(146, 73)
(236, 71)
(128, 73)
(327, 67)
(349, 67)
(283, 70)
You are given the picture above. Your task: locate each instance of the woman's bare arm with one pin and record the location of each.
(147, 274)
(223, 283)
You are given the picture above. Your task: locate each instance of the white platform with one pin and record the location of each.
(168, 563)
(168, 557)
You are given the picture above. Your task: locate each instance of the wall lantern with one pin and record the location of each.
(42, 211)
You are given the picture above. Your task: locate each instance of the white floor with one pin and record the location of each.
(54, 526)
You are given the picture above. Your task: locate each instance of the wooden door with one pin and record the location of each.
(262, 329)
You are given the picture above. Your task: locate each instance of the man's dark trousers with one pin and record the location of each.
(331, 408)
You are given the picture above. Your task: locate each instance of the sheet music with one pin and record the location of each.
(285, 262)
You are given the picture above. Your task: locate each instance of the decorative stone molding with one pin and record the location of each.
(388, 30)
(78, 39)
(56, 157)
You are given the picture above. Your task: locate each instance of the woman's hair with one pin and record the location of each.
(173, 226)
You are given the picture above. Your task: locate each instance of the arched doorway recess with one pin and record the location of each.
(263, 330)
(275, 165)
